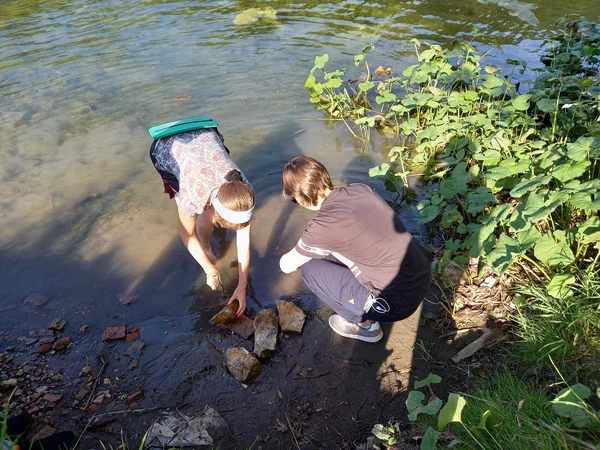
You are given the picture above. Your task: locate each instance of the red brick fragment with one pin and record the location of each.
(114, 333)
(133, 334)
(52, 398)
(62, 343)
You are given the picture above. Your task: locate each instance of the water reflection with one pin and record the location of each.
(81, 81)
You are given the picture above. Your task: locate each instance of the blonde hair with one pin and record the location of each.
(305, 180)
(236, 195)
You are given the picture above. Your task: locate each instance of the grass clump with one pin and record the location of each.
(520, 417)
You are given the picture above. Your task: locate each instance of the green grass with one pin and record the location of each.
(567, 328)
(522, 418)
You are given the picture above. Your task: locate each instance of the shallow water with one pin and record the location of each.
(82, 215)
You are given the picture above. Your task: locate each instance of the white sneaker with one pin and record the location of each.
(354, 331)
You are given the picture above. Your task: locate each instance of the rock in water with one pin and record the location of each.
(291, 318)
(243, 326)
(227, 314)
(265, 333)
(242, 364)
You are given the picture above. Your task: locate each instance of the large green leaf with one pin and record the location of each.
(568, 171)
(570, 403)
(559, 286)
(379, 171)
(431, 379)
(414, 400)
(589, 231)
(320, 61)
(581, 148)
(429, 440)
(528, 185)
(547, 105)
(553, 252)
(478, 199)
(584, 201)
(528, 238)
(452, 411)
(429, 213)
(366, 85)
(505, 253)
(521, 103)
(333, 83)
(415, 406)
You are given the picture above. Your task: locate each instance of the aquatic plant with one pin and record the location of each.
(514, 175)
(252, 15)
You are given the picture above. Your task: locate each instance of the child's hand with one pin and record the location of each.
(240, 295)
(213, 278)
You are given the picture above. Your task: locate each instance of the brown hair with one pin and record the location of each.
(305, 180)
(236, 195)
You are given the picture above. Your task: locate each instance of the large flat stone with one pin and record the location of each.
(265, 333)
(242, 364)
(244, 326)
(291, 318)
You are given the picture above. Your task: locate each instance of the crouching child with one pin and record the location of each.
(380, 273)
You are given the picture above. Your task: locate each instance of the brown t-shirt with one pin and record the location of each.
(357, 227)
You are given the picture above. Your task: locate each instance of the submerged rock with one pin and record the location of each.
(265, 333)
(291, 318)
(242, 364)
(58, 324)
(243, 326)
(227, 314)
(36, 299)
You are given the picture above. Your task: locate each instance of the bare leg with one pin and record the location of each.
(204, 229)
(366, 323)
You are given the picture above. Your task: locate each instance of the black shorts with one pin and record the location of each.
(335, 284)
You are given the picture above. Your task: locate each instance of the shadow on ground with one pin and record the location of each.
(320, 391)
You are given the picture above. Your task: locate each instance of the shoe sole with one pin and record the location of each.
(358, 337)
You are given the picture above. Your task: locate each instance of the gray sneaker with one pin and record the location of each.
(355, 331)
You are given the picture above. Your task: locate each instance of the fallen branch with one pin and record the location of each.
(462, 331)
(315, 376)
(486, 339)
(95, 385)
(292, 431)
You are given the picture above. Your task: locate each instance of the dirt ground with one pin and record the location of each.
(320, 391)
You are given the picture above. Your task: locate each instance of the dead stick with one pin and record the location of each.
(486, 339)
(95, 384)
(292, 431)
(315, 376)
(462, 330)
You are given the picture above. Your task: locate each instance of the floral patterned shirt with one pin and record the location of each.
(200, 162)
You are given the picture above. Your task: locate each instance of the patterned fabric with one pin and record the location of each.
(199, 161)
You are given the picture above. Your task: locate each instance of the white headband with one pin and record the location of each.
(230, 215)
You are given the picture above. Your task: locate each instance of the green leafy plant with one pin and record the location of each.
(515, 176)
(388, 434)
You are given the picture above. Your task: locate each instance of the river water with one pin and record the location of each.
(82, 215)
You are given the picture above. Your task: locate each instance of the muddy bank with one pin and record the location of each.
(319, 391)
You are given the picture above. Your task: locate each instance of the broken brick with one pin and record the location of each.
(52, 398)
(133, 334)
(114, 333)
(135, 397)
(62, 343)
